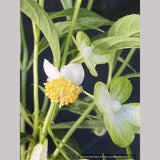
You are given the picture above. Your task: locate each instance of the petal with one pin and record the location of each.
(50, 70)
(102, 97)
(40, 151)
(120, 130)
(132, 113)
(87, 51)
(73, 72)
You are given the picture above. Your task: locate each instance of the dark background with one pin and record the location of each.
(89, 143)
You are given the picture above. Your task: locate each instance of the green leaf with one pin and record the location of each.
(40, 151)
(25, 115)
(82, 14)
(115, 42)
(45, 24)
(126, 26)
(87, 124)
(121, 89)
(66, 3)
(24, 138)
(119, 128)
(71, 142)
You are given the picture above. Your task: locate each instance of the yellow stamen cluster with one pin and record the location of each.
(61, 90)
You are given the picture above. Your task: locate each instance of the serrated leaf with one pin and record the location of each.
(115, 42)
(45, 24)
(126, 26)
(121, 89)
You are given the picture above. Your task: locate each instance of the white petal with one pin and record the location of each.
(131, 113)
(88, 51)
(50, 70)
(73, 72)
(120, 130)
(103, 98)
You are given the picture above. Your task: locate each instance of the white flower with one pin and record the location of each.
(120, 120)
(63, 86)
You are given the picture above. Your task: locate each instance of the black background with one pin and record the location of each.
(89, 143)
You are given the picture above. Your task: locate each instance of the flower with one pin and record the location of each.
(63, 87)
(122, 121)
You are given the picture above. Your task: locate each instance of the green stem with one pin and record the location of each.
(126, 61)
(123, 66)
(74, 18)
(55, 142)
(88, 94)
(129, 152)
(73, 150)
(110, 73)
(23, 76)
(89, 5)
(44, 107)
(47, 121)
(73, 128)
(36, 33)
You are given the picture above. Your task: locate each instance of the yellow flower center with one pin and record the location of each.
(61, 90)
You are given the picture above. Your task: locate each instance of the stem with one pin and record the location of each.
(123, 66)
(74, 18)
(89, 5)
(47, 121)
(44, 107)
(36, 33)
(88, 94)
(126, 61)
(74, 127)
(23, 76)
(129, 152)
(55, 142)
(110, 73)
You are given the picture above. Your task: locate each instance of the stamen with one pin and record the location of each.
(61, 90)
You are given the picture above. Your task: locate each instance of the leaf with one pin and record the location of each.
(63, 28)
(80, 105)
(25, 115)
(126, 26)
(25, 138)
(72, 142)
(45, 24)
(40, 151)
(87, 124)
(82, 14)
(115, 42)
(121, 89)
